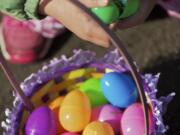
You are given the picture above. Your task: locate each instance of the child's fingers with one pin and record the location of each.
(95, 34)
(77, 21)
(90, 31)
(94, 3)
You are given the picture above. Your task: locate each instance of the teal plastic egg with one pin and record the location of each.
(119, 89)
(92, 88)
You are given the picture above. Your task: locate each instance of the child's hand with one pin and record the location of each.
(76, 20)
(81, 24)
(146, 7)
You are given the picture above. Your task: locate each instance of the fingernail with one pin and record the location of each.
(103, 2)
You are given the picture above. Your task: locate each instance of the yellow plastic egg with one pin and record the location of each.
(98, 128)
(75, 111)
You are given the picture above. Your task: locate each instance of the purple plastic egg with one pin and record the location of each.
(109, 114)
(69, 133)
(133, 123)
(41, 122)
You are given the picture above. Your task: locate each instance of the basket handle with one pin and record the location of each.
(16, 88)
(117, 43)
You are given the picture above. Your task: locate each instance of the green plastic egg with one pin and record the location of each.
(117, 9)
(108, 14)
(130, 7)
(92, 89)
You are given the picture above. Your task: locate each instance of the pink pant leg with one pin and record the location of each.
(24, 41)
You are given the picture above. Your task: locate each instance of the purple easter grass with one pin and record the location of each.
(58, 66)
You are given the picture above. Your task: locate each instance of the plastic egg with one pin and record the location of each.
(75, 111)
(130, 8)
(92, 88)
(54, 106)
(98, 128)
(109, 114)
(119, 89)
(109, 13)
(133, 123)
(69, 133)
(41, 122)
(56, 103)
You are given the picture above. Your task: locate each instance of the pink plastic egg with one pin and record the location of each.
(109, 114)
(133, 123)
(69, 133)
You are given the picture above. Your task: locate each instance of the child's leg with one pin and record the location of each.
(172, 7)
(23, 42)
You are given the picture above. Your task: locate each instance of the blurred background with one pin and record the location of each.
(154, 45)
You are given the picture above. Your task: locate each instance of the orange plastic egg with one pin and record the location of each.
(54, 106)
(75, 111)
(98, 128)
(56, 103)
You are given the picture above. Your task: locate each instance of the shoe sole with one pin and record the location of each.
(2, 45)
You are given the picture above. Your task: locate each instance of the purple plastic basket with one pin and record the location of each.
(84, 60)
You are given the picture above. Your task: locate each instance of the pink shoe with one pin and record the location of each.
(19, 44)
(172, 7)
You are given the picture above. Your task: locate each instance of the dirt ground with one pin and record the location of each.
(154, 45)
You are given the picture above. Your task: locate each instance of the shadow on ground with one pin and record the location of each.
(169, 81)
(62, 39)
(157, 13)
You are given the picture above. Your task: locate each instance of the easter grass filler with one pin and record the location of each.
(54, 79)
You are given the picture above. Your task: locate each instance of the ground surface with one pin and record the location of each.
(155, 46)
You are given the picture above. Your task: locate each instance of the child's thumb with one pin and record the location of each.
(94, 3)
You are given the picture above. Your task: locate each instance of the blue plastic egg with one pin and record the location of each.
(119, 89)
